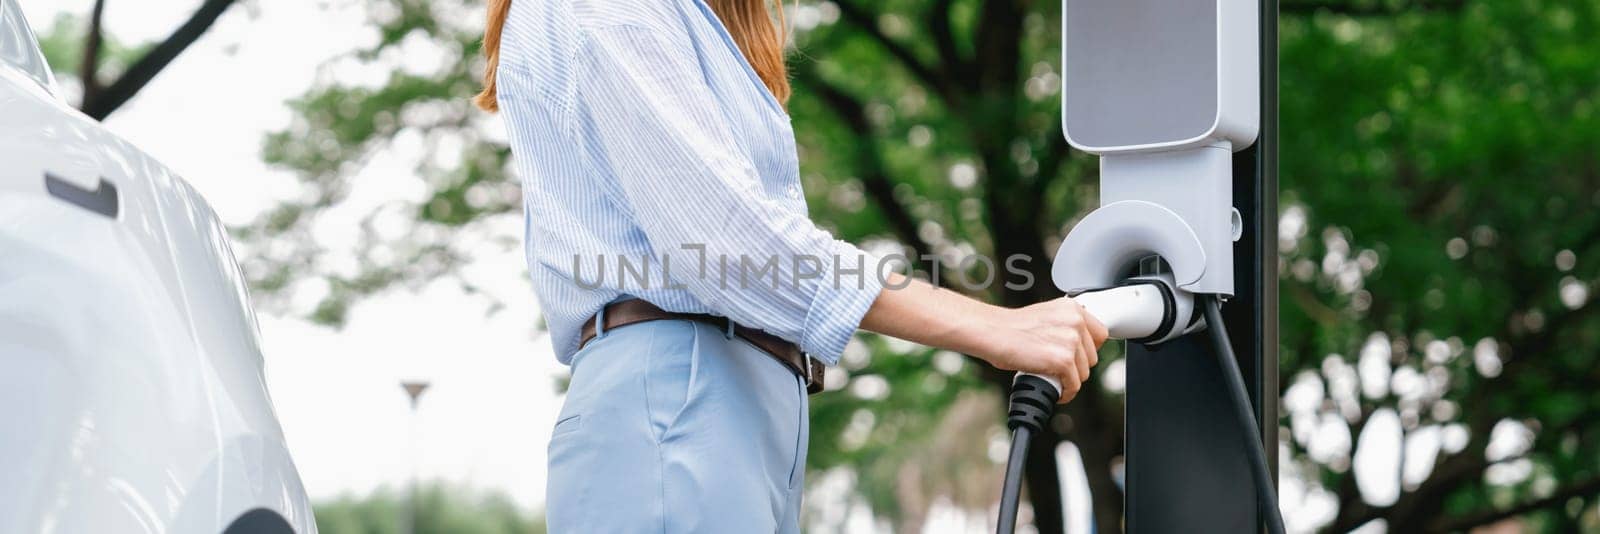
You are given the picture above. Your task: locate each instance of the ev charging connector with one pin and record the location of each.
(1144, 309)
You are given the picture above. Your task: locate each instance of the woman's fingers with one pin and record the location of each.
(1072, 377)
(1067, 396)
(1091, 350)
(1061, 340)
(1070, 384)
(1097, 330)
(1074, 370)
(1081, 352)
(1084, 345)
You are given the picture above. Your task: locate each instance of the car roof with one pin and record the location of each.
(19, 49)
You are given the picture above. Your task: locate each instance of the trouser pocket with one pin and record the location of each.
(669, 375)
(567, 487)
(605, 460)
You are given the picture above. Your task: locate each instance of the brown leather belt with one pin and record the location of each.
(634, 311)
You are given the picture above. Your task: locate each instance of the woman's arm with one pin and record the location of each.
(1055, 338)
(697, 198)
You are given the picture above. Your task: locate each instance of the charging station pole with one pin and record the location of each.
(1185, 468)
(1255, 186)
(1178, 98)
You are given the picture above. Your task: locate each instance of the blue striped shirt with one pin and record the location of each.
(655, 164)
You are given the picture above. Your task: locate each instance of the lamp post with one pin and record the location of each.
(414, 390)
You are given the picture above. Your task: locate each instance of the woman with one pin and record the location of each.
(651, 136)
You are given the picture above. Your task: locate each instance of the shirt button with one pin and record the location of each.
(793, 191)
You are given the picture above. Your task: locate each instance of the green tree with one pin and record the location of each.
(1439, 189)
(1441, 156)
(440, 509)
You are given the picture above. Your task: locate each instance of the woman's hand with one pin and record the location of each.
(1055, 338)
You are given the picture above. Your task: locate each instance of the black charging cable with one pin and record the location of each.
(1033, 401)
(1266, 495)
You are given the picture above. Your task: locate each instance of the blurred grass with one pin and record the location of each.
(442, 508)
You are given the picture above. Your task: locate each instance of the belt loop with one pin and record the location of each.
(728, 332)
(600, 321)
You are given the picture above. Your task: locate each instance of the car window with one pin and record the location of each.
(18, 47)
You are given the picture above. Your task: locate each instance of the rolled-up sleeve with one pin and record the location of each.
(699, 200)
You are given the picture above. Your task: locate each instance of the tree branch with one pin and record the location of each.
(869, 166)
(1587, 487)
(944, 39)
(998, 50)
(120, 91)
(867, 22)
(1417, 508)
(1042, 477)
(89, 66)
(1414, 510)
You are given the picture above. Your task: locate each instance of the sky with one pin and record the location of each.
(485, 421)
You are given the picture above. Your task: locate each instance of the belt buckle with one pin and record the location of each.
(812, 384)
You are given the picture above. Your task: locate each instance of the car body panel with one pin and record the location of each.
(130, 364)
(19, 48)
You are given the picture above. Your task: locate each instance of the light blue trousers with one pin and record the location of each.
(673, 426)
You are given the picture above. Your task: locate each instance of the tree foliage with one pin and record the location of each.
(416, 119)
(1443, 162)
(439, 509)
(1439, 190)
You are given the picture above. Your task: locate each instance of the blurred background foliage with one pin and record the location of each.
(1437, 241)
(439, 509)
(1439, 191)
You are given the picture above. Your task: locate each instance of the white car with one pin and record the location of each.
(132, 396)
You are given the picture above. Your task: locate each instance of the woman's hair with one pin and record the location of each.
(498, 9)
(750, 22)
(760, 38)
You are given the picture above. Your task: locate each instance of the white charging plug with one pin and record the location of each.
(1146, 309)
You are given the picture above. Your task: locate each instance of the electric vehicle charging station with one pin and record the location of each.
(1179, 100)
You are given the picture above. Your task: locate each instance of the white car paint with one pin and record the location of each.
(132, 396)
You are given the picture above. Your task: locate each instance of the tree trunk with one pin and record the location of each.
(1043, 478)
(1098, 435)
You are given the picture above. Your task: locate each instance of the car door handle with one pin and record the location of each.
(102, 199)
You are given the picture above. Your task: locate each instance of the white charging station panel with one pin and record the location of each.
(1164, 91)
(1149, 75)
